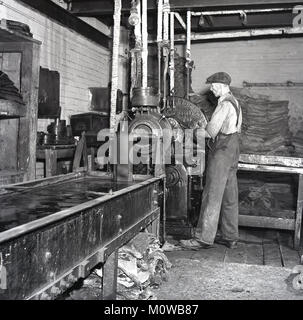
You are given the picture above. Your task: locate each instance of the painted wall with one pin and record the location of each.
(270, 60)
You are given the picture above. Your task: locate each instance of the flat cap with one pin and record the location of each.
(219, 77)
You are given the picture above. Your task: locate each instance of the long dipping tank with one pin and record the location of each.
(54, 231)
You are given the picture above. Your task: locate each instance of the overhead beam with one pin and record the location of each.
(62, 16)
(104, 7)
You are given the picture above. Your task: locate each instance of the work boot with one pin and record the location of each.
(231, 244)
(195, 244)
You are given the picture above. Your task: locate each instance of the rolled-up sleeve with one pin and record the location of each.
(217, 119)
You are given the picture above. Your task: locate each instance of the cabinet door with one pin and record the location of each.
(10, 63)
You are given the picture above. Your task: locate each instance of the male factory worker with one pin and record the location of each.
(218, 221)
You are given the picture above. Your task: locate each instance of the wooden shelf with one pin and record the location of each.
(265, 168)
(11, 109)
(287, 165)
(271, 160)
(267, 222)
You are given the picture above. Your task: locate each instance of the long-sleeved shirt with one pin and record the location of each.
(224, 118)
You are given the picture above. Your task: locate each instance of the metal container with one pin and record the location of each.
(40, 138)
(145, 97)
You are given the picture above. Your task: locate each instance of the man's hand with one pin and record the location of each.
(201, 133)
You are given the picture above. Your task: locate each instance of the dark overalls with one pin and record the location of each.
(220, 195)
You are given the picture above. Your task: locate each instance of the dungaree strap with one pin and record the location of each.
(233, 101)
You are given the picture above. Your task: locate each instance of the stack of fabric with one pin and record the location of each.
(181, 77)
(207, 103)
(8, 91)
(265, 128)
(298, 143)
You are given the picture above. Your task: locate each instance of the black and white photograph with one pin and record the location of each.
(151, 153)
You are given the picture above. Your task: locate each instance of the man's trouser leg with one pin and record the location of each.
(229, 209)
(219, 164)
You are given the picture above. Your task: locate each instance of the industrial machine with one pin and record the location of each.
(171, 118)
(183, 166)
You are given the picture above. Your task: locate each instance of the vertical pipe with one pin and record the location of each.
(172, 54)
(138, 26)
(115, 63)
(188, 51)
(164, 211)
(160, 20)
(166, 10)
(136, 80)
(144, 44)
(159, 41)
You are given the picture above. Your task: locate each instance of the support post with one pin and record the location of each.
(172, 55)
(50, 162)
(298, 223)
(144, 44)
(188, 51)
(110, 273)
(159, 42)
(136, 54)
(166, 10)
(115, 63)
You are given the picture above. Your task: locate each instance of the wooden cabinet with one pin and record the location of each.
(20, 60)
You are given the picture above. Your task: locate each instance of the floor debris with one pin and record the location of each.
(142, 265)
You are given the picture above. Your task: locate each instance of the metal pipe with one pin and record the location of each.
(115, 63)
(144, 44)
(242, 33)
(179, 18)
(232, 12)
(166, 10)
(172, 55)
(160, 20)
(136, 53)
(159, 41)
(188, 50)
(273, 84)
(137, 29)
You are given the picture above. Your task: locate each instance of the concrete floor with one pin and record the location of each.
(196, 278)
(259, 269)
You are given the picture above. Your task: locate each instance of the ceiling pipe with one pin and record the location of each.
(233, 12)
(251, 33)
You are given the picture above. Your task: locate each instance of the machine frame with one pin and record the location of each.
(43, 258)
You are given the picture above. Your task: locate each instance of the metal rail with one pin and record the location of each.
(43, 258)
